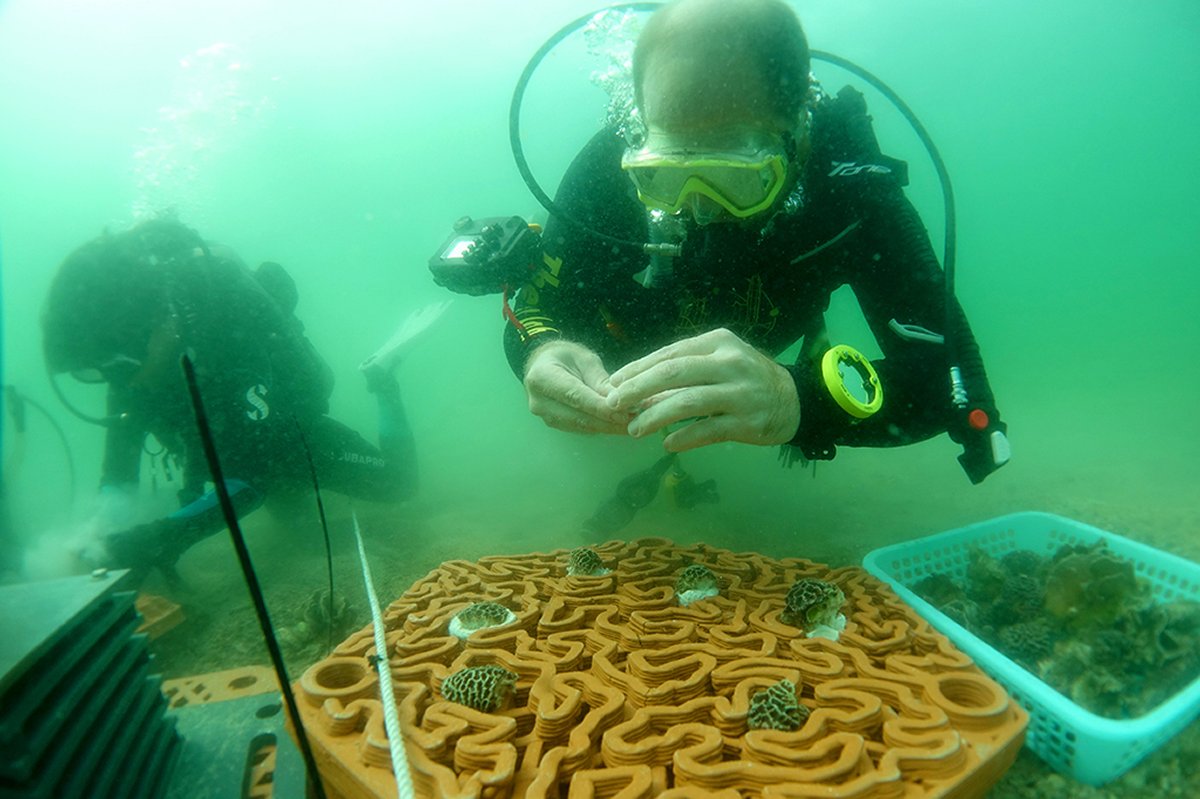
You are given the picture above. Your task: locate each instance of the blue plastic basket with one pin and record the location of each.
(1090, 748)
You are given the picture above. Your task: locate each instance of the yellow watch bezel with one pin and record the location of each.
(836, 386)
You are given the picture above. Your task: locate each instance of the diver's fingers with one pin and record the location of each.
(703, 344)
(570, 375)
(673, 374)
(702, 432)
(568, 419)
(679, 405)
(553, 385)
(564, 402)
(592, 374)
(714, 357)
(760, 411)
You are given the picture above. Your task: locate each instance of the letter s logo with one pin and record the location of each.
(255, 396)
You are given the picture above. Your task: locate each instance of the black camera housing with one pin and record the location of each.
(487, 256)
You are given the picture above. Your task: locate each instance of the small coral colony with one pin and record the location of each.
(1080, 620)
(813, 606)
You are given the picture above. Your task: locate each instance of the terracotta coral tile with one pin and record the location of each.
(630, 782)
(340, 677)
(877, 638)
(566, 651)
(414, 650)
(220, 686)
(658, 678)
(972, 702)
(573, 713)
(695, 792)
(819, 659)
(789, 757)
(645, 595)
(728, 676)
(655, 734)
(561, 615)
(622, 692)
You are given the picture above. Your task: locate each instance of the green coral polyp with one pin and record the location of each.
(776, 708)
(584, 562)
(813, 603)
(484, 688)
(478, 616)
(483, 614)
(694, 583)
(696, 578)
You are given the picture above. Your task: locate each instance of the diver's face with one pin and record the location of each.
(711, 117)
(141, 368)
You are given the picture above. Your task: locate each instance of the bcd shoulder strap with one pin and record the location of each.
(852, 135)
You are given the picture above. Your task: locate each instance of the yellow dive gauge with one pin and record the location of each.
(852, 381)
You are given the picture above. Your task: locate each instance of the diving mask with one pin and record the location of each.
(744, 178)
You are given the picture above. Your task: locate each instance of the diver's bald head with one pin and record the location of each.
(713, 62)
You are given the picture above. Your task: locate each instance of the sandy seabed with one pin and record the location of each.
(404, 543)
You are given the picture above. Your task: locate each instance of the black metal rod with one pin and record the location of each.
(243, 554)
(312, 470)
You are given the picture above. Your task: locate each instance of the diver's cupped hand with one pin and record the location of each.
(566, 384)
(722, 387)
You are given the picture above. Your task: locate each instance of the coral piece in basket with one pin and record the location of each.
(619, 690)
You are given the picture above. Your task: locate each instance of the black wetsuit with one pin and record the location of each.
(266, 392)
(847, 222)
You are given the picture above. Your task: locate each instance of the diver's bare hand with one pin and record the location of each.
(731, 390)
(566, 384)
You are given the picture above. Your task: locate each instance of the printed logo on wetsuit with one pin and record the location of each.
(847, 168)
(255, 395)
(367, 460)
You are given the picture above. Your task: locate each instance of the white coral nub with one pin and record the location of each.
(479, 616)
(695, 595)
(830, 631)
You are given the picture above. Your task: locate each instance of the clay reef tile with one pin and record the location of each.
(605, 685)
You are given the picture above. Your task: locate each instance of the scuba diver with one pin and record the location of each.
(123, 308)
(772, 195)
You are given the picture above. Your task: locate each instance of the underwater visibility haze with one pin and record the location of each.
(343, 141)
